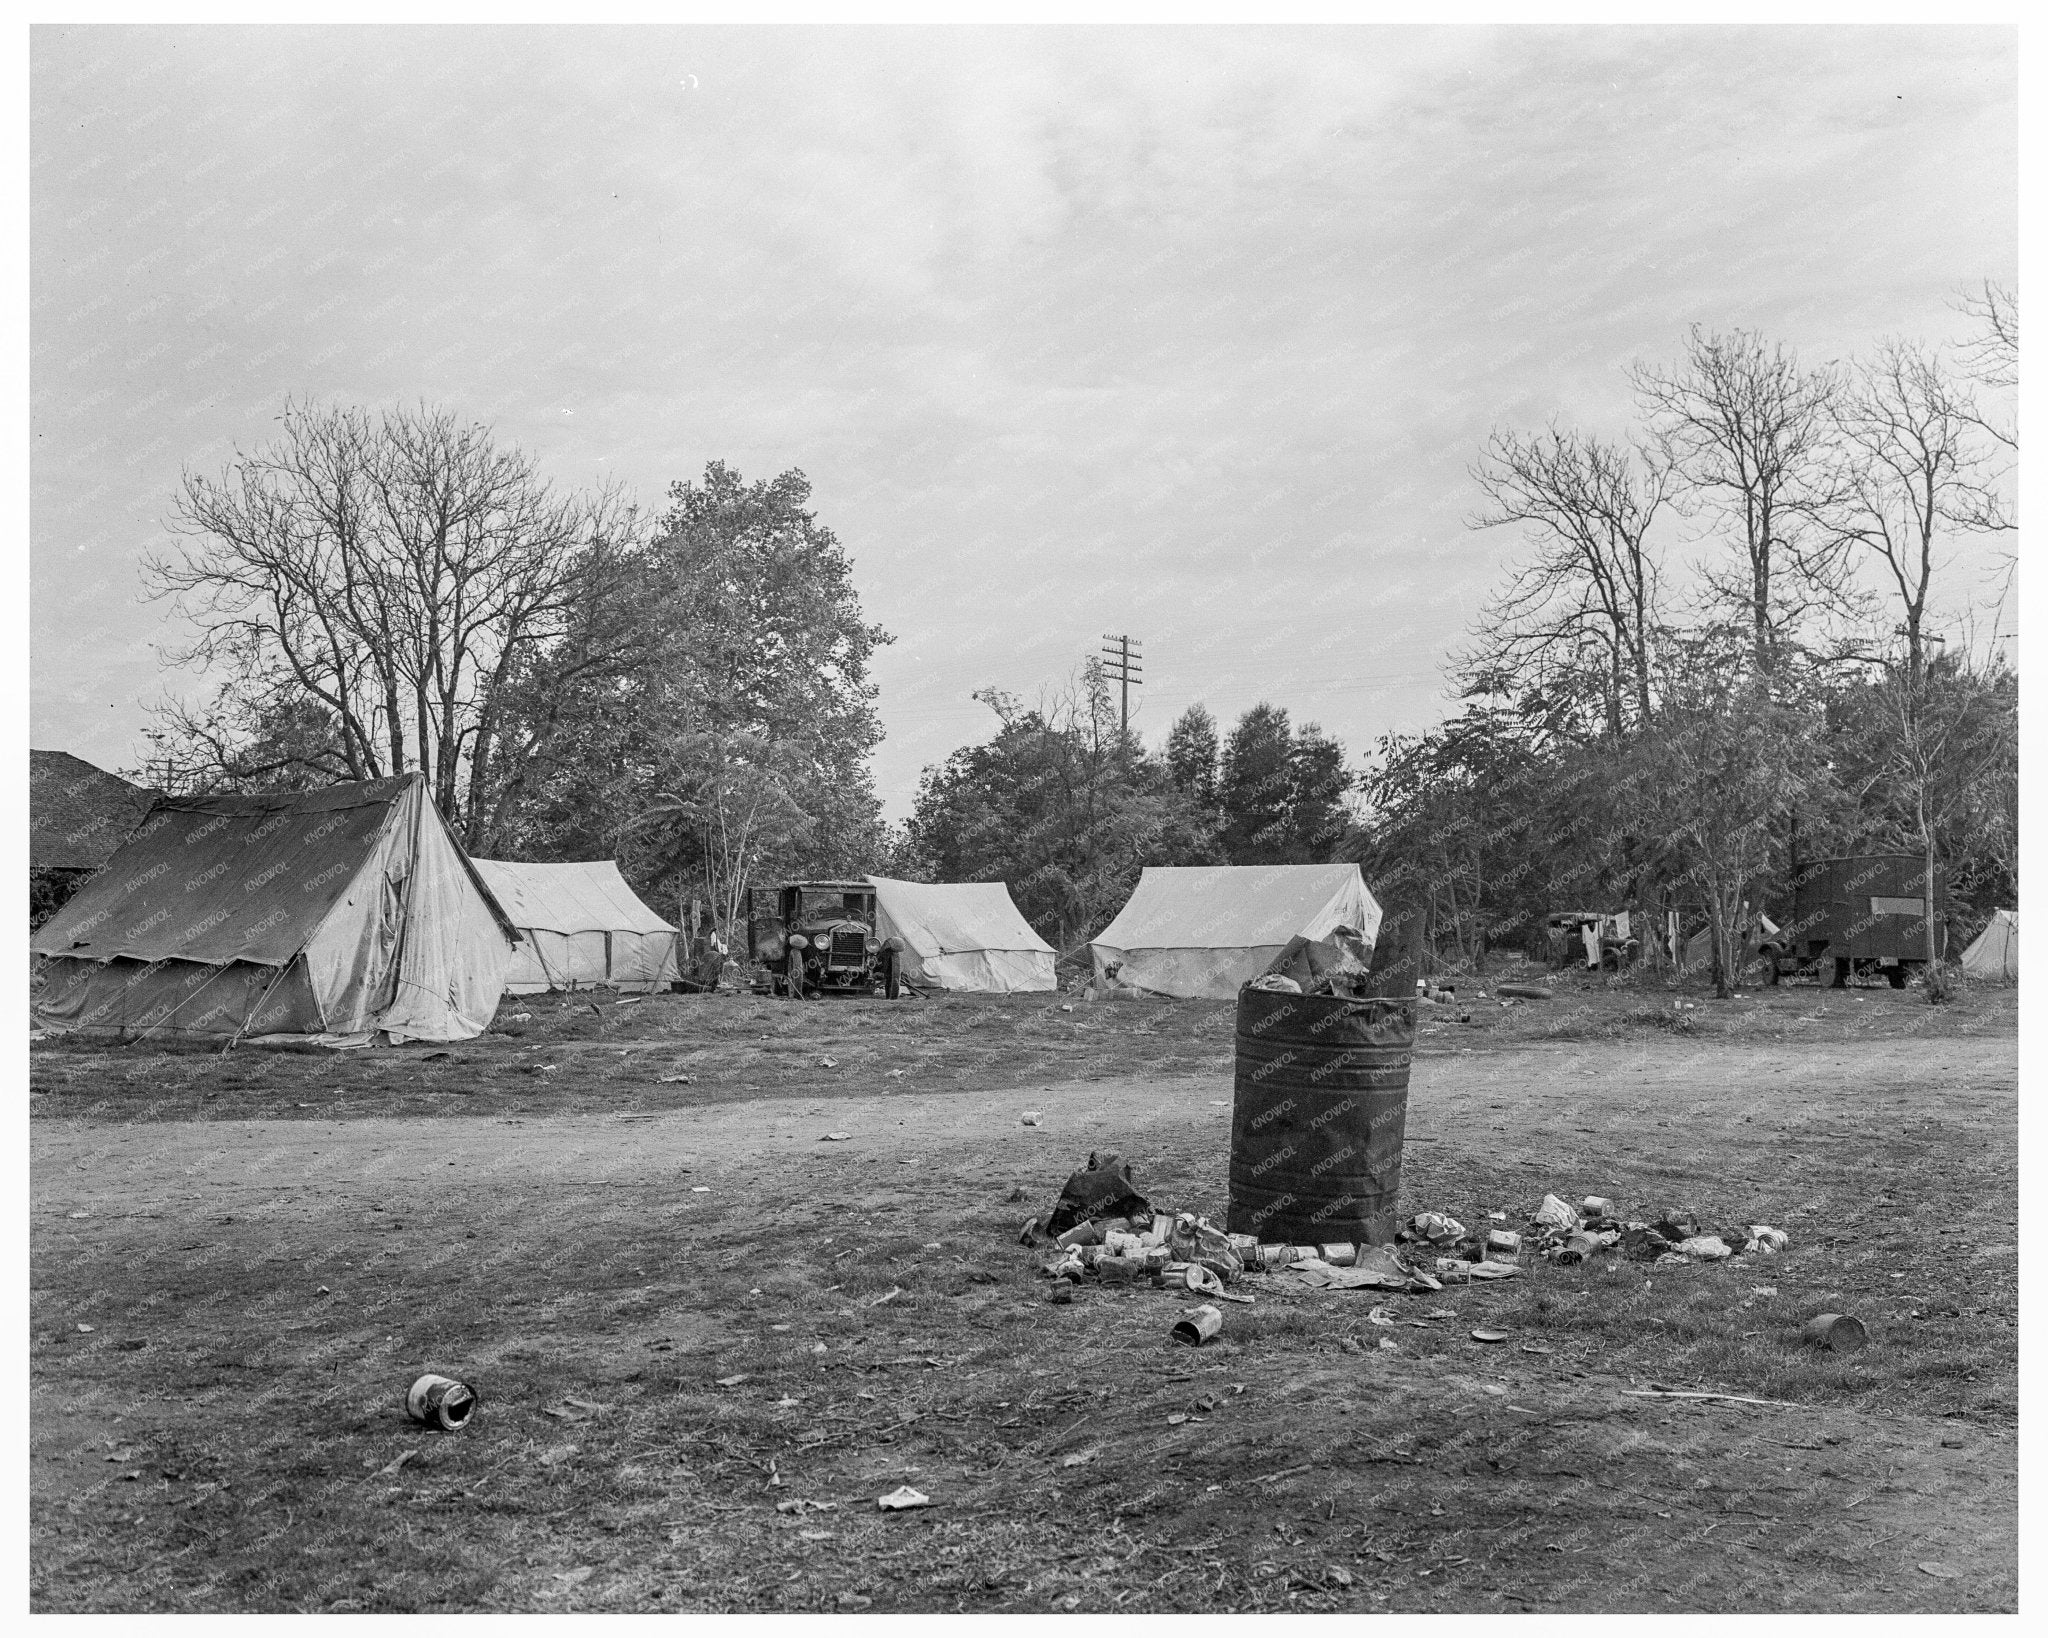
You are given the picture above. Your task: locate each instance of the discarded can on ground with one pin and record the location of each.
(1596, 1205)
(1115, 1244)
(1316, 1127)
(440, 1402)
(1119, 1270)
(1339, 1255)
(1200, 1326)
(1843, 1333)
(1503, 1243)
(1247, 1248)
(1061, 1292)
(1081, 1234)
(1272, 1257)
(1156, 1259)
(1576, 1249)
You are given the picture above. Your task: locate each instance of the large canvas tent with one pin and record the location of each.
(962, 936)
(1995, 952)
(580, 927)
(1205, 930)
(331, 912)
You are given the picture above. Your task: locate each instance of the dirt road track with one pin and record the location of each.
(1531, 1097)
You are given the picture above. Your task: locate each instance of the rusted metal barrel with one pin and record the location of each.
(1322, 1095)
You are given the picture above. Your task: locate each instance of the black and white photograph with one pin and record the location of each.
(1116, 815)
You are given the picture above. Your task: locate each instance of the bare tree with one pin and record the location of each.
(1992, 355)
(1908, 475)
(389, 569)
(1588, 508)
(1748, 430)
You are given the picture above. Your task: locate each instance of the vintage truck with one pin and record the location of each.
(1858, 917)
(819, 938)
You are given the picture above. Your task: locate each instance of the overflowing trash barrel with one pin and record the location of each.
(1322, 1097)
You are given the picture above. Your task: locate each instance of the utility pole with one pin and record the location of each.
(1125, 664)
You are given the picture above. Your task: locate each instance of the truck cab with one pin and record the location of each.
(819, 938)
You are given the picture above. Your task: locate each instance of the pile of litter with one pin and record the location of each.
(1103, 1229)
(1565, 1235)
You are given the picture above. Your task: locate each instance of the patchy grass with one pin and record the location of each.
(543, 1255)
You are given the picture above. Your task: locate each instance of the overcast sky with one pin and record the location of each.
(1192, 334)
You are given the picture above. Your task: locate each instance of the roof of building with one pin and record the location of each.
(78, 814)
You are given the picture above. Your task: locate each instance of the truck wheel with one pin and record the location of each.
(1841, 978)
(892, 989)
(1897, 975)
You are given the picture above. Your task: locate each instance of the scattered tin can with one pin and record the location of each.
(1339, 1254)
(1596, 1205)
(1844, 1333)
(1503, 1243)
(1576, 1249)
(440, 1402)
(1272, 1257)
(1119, 1270)
(1081, 1234)
(1199, 1327)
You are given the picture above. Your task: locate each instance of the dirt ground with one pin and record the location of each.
(708, 1336)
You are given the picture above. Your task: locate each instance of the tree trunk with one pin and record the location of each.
(1937, 979)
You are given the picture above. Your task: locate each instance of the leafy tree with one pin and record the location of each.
(1726, 760)
(1192, 755)
(1281, 793)
(1450, 825)
(736, 742)
(1256, 787)
(1059, 805)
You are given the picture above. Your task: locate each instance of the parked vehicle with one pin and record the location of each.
(819, 938)
(1858, 917)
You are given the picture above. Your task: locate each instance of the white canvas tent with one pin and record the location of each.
(962, 936)
(1995, 952)
(1205, 930)
(581, 927)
